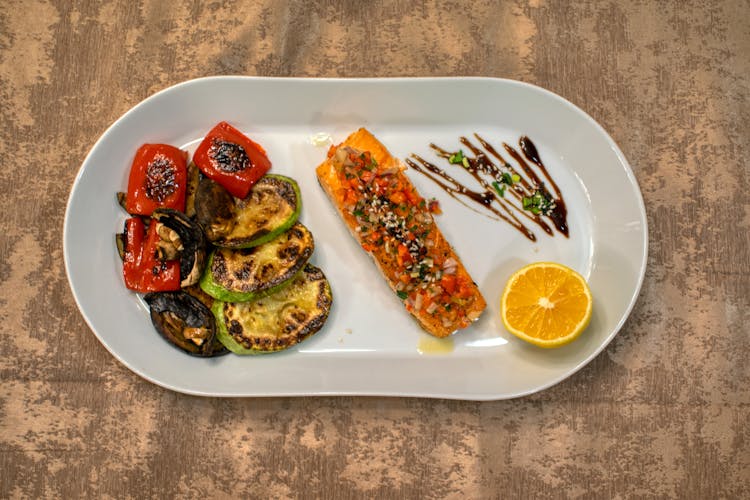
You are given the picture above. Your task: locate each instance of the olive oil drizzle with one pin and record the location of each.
(487, 174)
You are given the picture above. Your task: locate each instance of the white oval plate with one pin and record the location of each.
(370, 345)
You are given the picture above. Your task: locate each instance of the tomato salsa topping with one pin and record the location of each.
(231, 159)
(158, 178)
(395, 223)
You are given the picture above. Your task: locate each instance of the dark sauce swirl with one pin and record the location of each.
(487, 174)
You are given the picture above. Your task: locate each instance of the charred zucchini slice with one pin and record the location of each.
(271, 208)
(276, 321)
(239, 275)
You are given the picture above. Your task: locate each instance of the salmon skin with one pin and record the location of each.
(395, 225)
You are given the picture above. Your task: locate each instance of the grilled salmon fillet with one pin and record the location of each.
(395, 225)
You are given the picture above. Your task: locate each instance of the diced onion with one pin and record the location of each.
(431, 308)
(449, 266)
(341, 156)
(418, 302)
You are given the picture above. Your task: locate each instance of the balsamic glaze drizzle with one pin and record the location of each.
(486, 172)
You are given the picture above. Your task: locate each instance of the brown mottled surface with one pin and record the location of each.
(662, 412)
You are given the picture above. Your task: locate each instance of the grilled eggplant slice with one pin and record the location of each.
(271, 208)
(182, 238)
(239, 275)
(185, 322)
(193, 179)
(277, 321)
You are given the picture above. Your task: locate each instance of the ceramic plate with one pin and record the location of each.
(370, 345)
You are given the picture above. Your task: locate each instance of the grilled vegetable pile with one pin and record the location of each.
(216, 247)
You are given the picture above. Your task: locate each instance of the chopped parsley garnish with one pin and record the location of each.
(510, 179)
(538, 203)
(402, 295)
(457, 157)
(499, 189)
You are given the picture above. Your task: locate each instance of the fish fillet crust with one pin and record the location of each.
(386, 215)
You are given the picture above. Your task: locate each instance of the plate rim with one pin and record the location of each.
(632, 300)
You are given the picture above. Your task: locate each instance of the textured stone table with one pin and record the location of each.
(662, 412)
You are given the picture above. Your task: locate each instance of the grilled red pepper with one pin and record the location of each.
(158, 178)
(142, 270)
(231, 159)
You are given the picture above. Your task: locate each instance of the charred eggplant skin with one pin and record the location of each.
(240, 275)
(278, 321)
(214, 209)
(193, 253)
(175, 313)
(272, 207)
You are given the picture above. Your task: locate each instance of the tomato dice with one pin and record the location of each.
(142, 269)
(158, 178)
(231, 159)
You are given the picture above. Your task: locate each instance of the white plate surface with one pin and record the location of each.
(370, 345)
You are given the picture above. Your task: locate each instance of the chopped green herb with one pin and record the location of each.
(539, 203)
(358, 213)
(465, 162)
(457, 157)
(499, 189)
(515, 177)
(507, 179)
(402, 295)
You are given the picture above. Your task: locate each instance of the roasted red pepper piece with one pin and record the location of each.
(158, 178)
(134, 233)
(231, 159)
(142, 270)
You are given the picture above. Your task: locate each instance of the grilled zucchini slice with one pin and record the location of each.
(272, 207)
(239, 275)
(277, 321)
